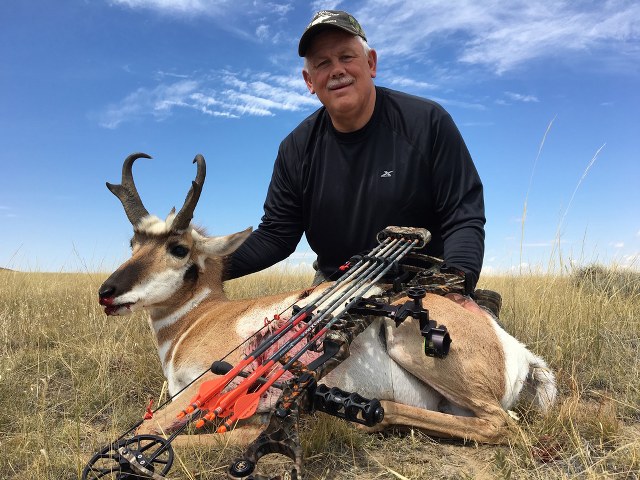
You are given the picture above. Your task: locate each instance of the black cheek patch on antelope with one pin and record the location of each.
(191, 275)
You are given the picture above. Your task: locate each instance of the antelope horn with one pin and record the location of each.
(184, 216)
(127, 193)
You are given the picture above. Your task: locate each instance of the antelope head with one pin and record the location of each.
(171, 260)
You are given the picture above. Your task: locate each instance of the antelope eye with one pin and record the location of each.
(179, 251)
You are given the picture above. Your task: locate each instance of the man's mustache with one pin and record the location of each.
(339, 82)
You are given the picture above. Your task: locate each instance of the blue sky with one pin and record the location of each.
(85, 83)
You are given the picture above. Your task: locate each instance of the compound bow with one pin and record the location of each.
(328, 325)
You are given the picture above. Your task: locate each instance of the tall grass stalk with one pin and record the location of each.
(556, 243)
(526, 197)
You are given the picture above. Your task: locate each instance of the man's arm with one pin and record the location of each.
(280, 229)
(459, 200)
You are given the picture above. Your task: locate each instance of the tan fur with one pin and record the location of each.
(213, 334)
(491, 428)
(462, 377)
(464, 371)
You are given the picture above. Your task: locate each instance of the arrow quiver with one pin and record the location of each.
(328, 325)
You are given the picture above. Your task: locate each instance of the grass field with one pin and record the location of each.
(72, 379)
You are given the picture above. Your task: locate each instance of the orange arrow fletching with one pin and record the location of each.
(245, 407)
(211, 388)
(231, 396)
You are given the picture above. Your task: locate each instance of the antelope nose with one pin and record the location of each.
(106, 291)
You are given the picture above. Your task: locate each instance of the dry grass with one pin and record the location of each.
(72, 379)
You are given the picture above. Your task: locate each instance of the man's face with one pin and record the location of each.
(340, 75)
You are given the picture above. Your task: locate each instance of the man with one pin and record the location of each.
(369, 158)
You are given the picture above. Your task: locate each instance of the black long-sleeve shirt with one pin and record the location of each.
(408, 166)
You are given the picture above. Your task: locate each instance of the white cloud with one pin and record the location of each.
(616, 244)
(279, 8)
(262, 32)
(488, 270)
(629, 261)
(181, 6)
(300, 255)
(5, 212)
(162, 74)
(520, 266)
(546, 244)
(212, 8)
(500, 35)
(409, 83)
(250, 20)
(157, 102)
(538, 244)
(459, 103)
(222, 94)
(325, 5)
(492, 34)
(518, 97)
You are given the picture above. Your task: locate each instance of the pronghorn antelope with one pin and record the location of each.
(176, 271)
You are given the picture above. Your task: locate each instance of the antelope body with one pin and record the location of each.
(176, 271)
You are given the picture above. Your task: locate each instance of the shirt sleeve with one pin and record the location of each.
(281, 226)
(459, 200)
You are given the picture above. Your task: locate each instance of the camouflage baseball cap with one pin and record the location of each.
(326, 19)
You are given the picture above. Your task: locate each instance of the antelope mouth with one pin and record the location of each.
(111, 309)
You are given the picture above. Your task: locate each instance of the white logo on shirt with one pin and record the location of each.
(386, 174)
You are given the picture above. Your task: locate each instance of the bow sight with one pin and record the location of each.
(328, 325)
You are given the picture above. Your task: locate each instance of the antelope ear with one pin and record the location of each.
(171, 217)
(224, 245)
